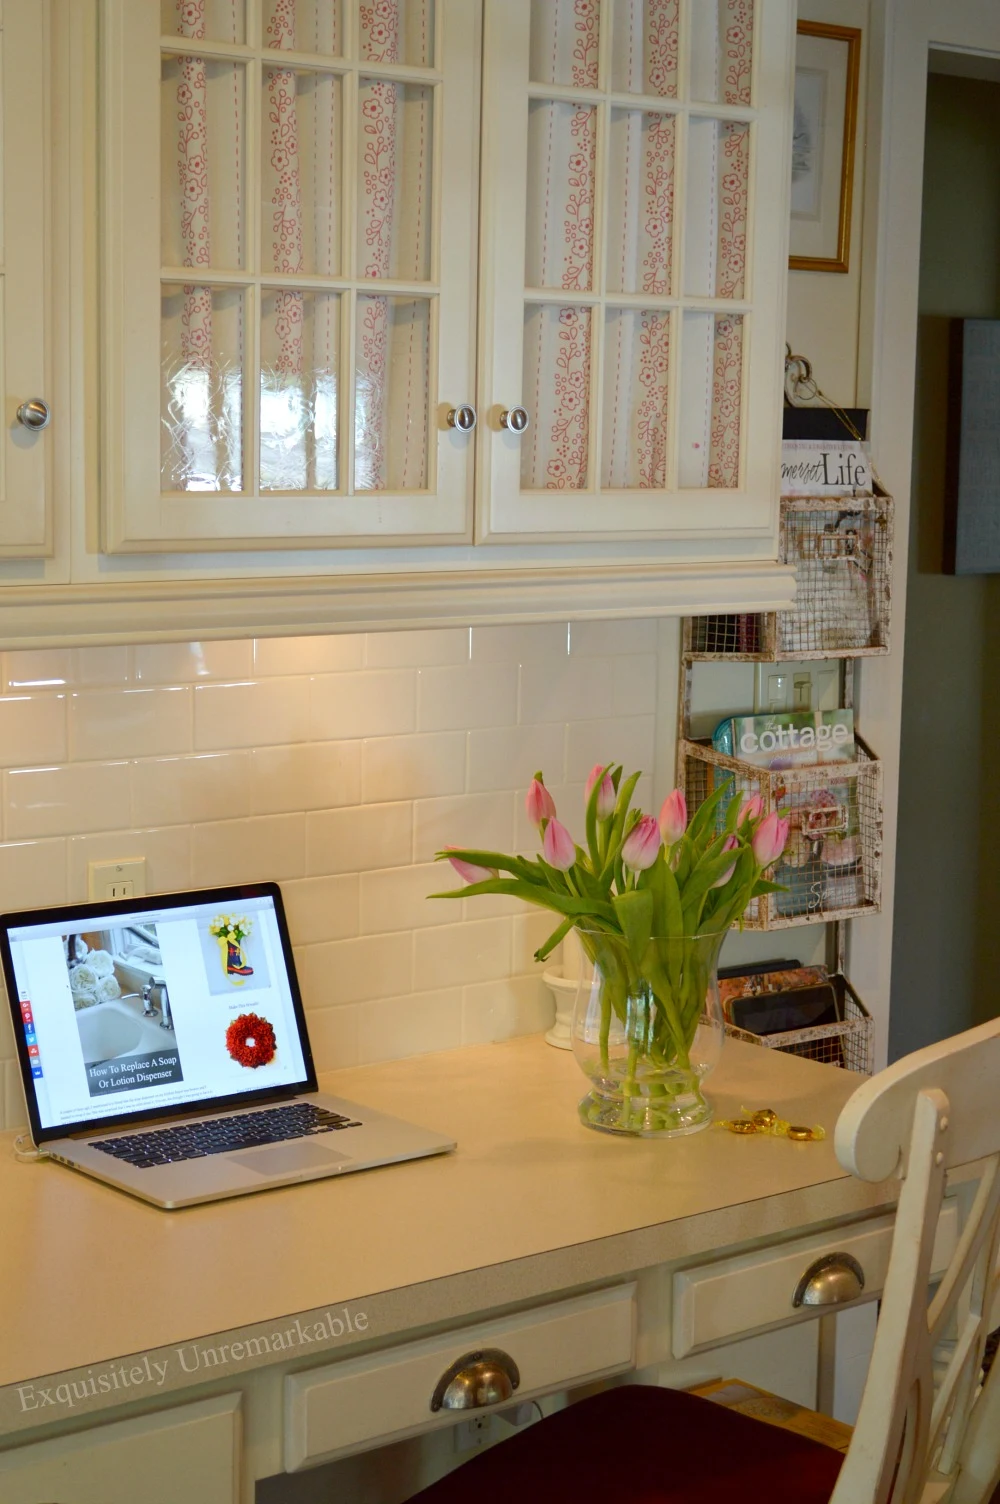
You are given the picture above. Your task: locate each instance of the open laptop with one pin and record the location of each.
(163, 1048)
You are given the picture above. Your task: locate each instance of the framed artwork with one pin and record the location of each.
(827, 68)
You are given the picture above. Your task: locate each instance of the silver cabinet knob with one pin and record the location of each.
(34, 413)
(476, 1379)
(515, 419)
(830, 1281)
(463, 418)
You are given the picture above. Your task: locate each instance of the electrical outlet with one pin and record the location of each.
(473, 1433)
(122, 879)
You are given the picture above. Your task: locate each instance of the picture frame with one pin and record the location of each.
(827, 74)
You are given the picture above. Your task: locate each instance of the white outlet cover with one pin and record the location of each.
(104, 877)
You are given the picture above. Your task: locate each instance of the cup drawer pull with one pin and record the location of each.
(830, 1281)
(477, 1379)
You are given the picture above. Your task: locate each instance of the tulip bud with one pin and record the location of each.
(751, 810)
(769, 839)
(730, 844)
(468, 870)
(539, 803)
(558, 847)
(606, 798)
(673, 817)
(642, 845)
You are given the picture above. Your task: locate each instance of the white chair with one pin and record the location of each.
(924, 1435)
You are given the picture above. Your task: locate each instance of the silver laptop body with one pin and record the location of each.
(163, 1049)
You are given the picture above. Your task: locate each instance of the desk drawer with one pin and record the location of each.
(734, 1297)
(365, 1402)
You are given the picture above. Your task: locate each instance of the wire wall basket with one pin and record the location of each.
(850, 1043)
(832, 865)
(842, 551)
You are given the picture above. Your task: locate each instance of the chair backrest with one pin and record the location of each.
(928, 1114)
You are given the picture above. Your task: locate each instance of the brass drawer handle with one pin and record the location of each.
(486, 1377)
(830, 1281)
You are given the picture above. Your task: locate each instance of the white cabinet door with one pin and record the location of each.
(289, 232)
(25, 520)
(190, 1454)
(635, 210)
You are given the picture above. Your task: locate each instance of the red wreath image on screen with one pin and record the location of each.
(250, 1040)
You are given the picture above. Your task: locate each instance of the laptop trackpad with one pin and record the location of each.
(285, 1159)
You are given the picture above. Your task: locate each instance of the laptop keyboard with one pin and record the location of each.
(246, 1130)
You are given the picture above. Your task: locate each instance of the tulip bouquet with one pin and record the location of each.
(651, 901)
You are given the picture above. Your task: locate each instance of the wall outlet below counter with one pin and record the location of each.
(112, 880)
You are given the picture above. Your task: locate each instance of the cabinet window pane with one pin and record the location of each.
(636, 361)
(644, 54)
(555, 449)
(715, 237)
(721, 50)
(303, 25)
(711, 386)
(640, 202)
(201, 402)
(394, 180)
(565, 37)
(559, 249)
(397, 31)
(202, 141)
(392, 393)
(301, 172)
(209, 20)
(299, 348)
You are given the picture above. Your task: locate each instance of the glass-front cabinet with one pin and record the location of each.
(635, 202)
(441, 271)
(289, 279)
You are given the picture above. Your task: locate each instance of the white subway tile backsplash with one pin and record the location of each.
(338, 765)
(322, 908)
(474, 694)
(413, 767)
(66, 801)
(178, 790)
(509, 757)
(358, 840)
(308, 775)
(128, 723)
(264, 712)
(191, 662)
(398, 899)
(32, 874)
(472, 951)
(32, 729)
(417, 649)
(235, 851)
(374, 703)
(356, 971)
(308, 655)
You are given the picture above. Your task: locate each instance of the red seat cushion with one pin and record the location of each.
(644, 1445)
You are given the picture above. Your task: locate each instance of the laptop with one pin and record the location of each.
(164, 1050)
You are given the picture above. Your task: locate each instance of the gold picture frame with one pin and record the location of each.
(827, 75)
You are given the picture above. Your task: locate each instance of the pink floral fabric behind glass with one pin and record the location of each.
(727, 370)
(192, 155)
(737, 26)
(733, 188)
(286, 201)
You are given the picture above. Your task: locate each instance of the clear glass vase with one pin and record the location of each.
(647, 1035)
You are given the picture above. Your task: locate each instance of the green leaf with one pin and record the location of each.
(635, 915)
(704, 818)
(673, 908)
(530, 871)
(556, 938)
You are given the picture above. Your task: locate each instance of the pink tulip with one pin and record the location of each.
(468, 870)
(673, 817)
(539, 803)
(642, 845)
(751, 810)
(769, 839)
(730, 844)
(607, 797)
(558, 847)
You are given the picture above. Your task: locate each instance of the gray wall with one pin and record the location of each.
(947, 914)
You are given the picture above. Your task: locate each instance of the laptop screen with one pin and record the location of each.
(154, 1006)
